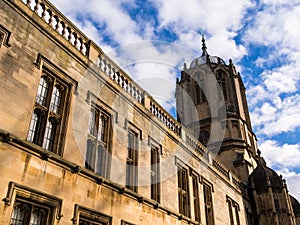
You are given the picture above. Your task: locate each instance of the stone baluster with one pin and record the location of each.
(137, 94)
(100, 61)
(79, 44)
(50, 21)
(57, 23)
(28, 3)
(108, 70)
(75, 39)
(36, 6)
(105, 65)
(126, 85)
(122, 82)
(43, 14)
(113, 72)
(69, 35)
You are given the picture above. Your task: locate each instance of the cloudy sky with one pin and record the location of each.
(262, 38)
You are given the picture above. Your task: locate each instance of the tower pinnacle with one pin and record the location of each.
(204, 51)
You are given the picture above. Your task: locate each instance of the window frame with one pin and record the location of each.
(155, 184)
(196, 195)
(92, 215)
(47, 68)
(184, 202)
(20, 193)
(222, 82)
(103, 166)
(208, 206)
(233, 209)
(131, 179)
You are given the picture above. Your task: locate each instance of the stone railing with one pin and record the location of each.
(165, 118)
(220, 168)
(196, 145)
(45, 10)
(120, 78)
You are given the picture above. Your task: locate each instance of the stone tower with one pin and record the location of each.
(211, 102)
(272, 205)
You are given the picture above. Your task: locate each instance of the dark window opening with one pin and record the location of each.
(132, 161)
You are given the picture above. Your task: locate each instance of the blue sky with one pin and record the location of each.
(262, 38)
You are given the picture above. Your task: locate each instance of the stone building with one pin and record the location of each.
(82, 143)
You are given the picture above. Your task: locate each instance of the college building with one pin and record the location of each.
(82, 143)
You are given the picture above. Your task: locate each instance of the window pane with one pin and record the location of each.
(34, 127)
(155, 176)
(55, 100)
(90, 155)
(103, 126)
(100, 160)
(38, 216)
(19, 214)
(41, 97)
(132, 157)
(49, 135)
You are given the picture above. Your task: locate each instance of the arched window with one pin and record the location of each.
(199, 89)
(204, 137)
(49, 112)
(222, 83)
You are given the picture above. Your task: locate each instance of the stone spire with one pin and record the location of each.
(204, 51)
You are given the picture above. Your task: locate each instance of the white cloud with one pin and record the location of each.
(281, 156)
(209, 16)
(286, 158)
(278, 116)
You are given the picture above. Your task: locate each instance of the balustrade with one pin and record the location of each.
(57, 22)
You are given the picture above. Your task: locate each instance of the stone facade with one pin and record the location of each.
(81, 142)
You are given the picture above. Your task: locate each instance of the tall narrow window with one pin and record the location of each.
(222, 83)
(28, 213)
(200, 96)
(183, 191)
(208, 205)
(132, 161)
(230, 212)
(196, 199)
(155, 174)
(47, 121)
(97, 152)
(233, 209)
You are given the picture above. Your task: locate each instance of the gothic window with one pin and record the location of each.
(85, 216)
(32, 207)
(183, 191)
(26, 212)
(48, 117)
(200, 96)
(196, 199)
(233, 209)
(222, 83)
(208, 204)
(204, 137)
(132, 161)
(97, 152)
(155, 173)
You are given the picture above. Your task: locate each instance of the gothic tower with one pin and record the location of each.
(271, 203)
(211, 102)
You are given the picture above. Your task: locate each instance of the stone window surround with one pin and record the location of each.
(90, 214)
(16, 191)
